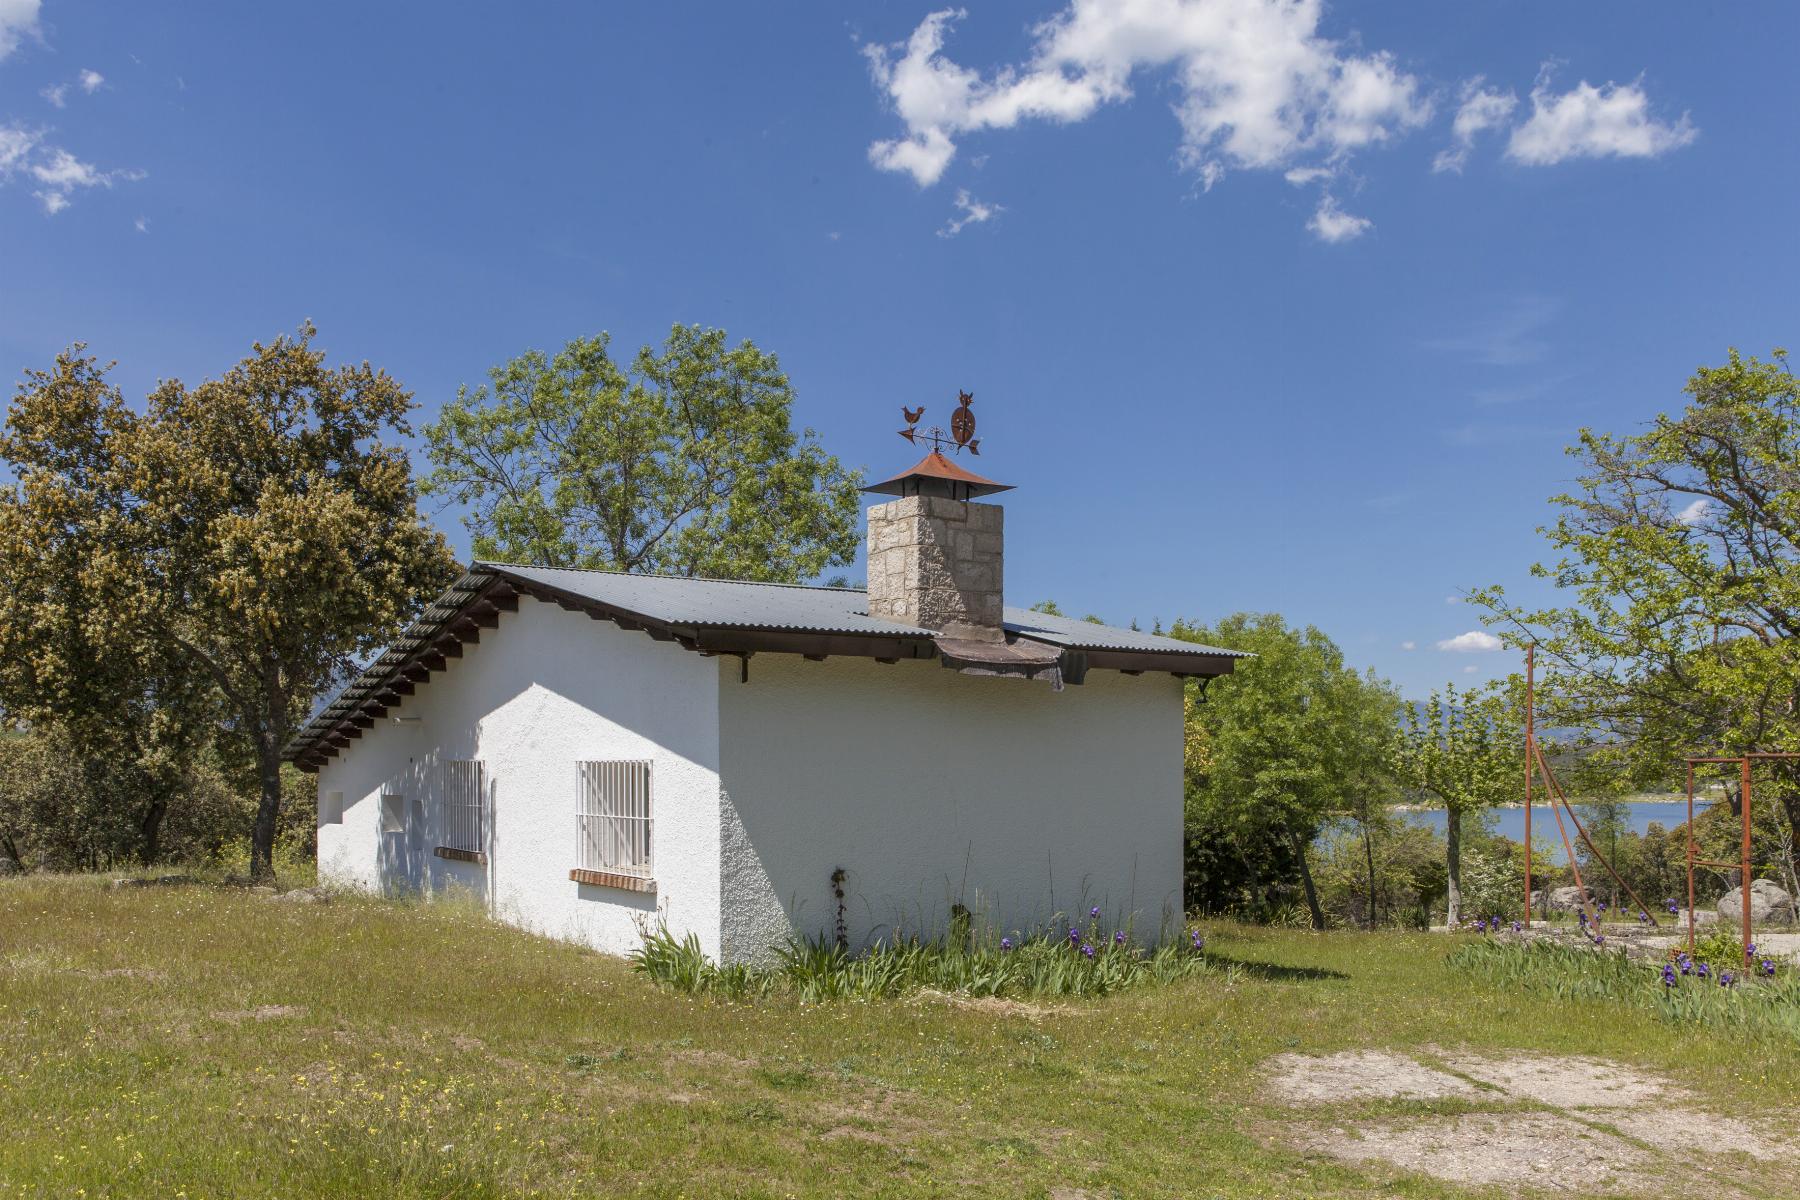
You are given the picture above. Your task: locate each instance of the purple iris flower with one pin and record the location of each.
(1199, 942)
(1094, 912)
(1673, 907)
(1725, 979)
(1686, 964)
(1750, 950)
(1644, 918)
(1703, 970)
(1006, 943)
(1074, 936)
(1119, 938)
(1087, 949)
(1668, 975)
(1768, 968)
(1516, 927)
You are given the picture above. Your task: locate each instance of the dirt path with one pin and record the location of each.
(1526, 1123)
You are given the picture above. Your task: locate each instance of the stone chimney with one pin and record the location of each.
(938, 563)
(936, 557)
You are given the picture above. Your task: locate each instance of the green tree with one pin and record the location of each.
(1463, 748)
(1289, 739)
(239, 544)
(1678, 552)
(685, 465)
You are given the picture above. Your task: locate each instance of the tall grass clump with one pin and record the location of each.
(1714, 987)
(1069, 959)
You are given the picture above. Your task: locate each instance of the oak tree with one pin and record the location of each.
(239, 543)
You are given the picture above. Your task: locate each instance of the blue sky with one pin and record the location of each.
(1265, 305)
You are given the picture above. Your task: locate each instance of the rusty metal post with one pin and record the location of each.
(1744, 875)
(1530, 740)
(1690, 856)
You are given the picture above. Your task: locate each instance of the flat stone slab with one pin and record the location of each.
(1360, 1075)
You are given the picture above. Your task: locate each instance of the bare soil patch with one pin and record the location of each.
(1687, 1131)
(1530, 1150)
(1361, 1075)
(1568, 1082)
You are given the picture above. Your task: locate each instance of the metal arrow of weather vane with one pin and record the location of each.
(961, 435)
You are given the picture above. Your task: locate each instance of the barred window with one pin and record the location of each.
(466, 816)
(613, 823)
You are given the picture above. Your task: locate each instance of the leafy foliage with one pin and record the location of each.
(1289, 739)
(685, 465)
(1092, 962)
(1463, 748)
(1679, 554)
(217, 559)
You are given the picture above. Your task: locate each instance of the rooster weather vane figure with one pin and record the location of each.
(959, 437)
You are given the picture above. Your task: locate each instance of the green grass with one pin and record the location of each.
(1084, 960)
(203, 1042)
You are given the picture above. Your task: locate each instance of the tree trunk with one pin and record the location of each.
(1306, 881)
(268, 808)
(1369, 859)
(1453, 866)
(150, 828)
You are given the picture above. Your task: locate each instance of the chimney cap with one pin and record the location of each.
(935, 475)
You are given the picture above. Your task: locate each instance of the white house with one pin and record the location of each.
(591, 753)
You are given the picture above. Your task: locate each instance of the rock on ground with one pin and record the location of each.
(1769, 904)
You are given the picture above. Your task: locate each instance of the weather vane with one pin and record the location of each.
(961, 435)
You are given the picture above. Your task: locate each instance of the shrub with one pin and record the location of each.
(1067, 960)
(1718, 993)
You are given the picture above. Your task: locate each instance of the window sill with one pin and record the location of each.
(614, 879)
(455, 855)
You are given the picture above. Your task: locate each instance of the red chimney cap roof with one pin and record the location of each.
(935, 475)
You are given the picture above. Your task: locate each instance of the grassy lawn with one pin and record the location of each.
(201, 1042)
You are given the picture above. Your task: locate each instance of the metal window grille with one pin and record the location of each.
(466, 814)
(613, 824)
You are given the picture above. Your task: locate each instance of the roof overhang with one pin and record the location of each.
(487, 591)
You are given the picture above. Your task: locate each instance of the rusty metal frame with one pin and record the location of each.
(1743, 866)
(1559, 804)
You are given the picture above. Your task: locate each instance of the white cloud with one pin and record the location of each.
(1409, 645)
(1257, 87)
(1481, 109)
(1594, 122)
(1301, 176)
(56, 95)
(91, 81)
(1469, 670)
(15, 143)
(1332, 224)
(1452, 599)
(974, 212)
(1694, 513)
(1475, 641)
(142, 225)
(18, 19)
(24, 152)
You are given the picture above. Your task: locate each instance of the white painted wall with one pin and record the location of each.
(931, 787)
(544, 691)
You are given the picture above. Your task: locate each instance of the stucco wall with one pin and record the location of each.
(544, 691)
(930, 788)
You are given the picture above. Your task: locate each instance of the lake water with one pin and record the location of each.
(1510, 822)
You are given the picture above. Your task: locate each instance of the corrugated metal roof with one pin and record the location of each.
(682, 603)
(1087, 635)
(732, 604)
(718, 603)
